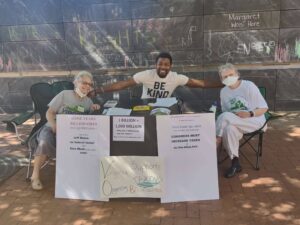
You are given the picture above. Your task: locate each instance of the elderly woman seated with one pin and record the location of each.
(243, 109)
(67, 101)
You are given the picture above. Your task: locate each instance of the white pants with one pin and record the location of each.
(231, 128)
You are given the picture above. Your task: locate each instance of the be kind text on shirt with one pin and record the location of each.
(158, 90)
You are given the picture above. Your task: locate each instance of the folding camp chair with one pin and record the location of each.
(13, 123)
(59, 86)
(41, 94)
(248, 138)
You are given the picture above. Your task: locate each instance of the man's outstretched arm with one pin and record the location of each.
(195, 83)
(120, 85)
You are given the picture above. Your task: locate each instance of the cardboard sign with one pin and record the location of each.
(188, 145)
(128, 128)
(131, 176)
(81, 141)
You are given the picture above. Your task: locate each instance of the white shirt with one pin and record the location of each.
(157, 87)
(245, 97)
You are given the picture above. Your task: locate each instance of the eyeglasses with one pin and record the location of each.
(87, 83)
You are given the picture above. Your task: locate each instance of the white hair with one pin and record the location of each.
(227, 66)
(83, 74)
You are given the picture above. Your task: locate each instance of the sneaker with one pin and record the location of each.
(234, 169)
(36, 185)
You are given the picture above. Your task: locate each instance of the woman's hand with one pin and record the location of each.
(95, 107)
(243, 114)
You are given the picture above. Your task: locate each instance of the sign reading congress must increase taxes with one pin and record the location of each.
(188, 145)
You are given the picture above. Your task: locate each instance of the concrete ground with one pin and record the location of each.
(268, 196)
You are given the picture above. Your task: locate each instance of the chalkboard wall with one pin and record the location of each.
(65, 35)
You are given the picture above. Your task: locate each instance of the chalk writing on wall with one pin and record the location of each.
(297, 48)
(240, 46)
(120, 34)
(286, 52)
(159, 33)
(35, 55)
(32, 32)
(6, 65)
(244, 20)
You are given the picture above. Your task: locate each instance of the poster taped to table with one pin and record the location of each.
(128, 128)
(81, 141)
(131, 176)
(188, 145)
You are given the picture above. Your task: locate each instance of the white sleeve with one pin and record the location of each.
(181, 80)
(140, 77)
(257, 98)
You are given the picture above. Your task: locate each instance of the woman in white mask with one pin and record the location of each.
(243, 109)
(66, 102)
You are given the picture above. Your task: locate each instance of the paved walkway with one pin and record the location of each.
(268, 196)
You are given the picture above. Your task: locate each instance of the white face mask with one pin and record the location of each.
(229, 81)
(79, 92)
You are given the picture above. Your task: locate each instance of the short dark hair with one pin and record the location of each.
(164, 55)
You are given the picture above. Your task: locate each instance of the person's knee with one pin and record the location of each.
(229, 129)
(225, 118)
(46, 144)
(228, 116)
(232, 133)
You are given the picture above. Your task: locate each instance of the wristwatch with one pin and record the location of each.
(251, 113)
